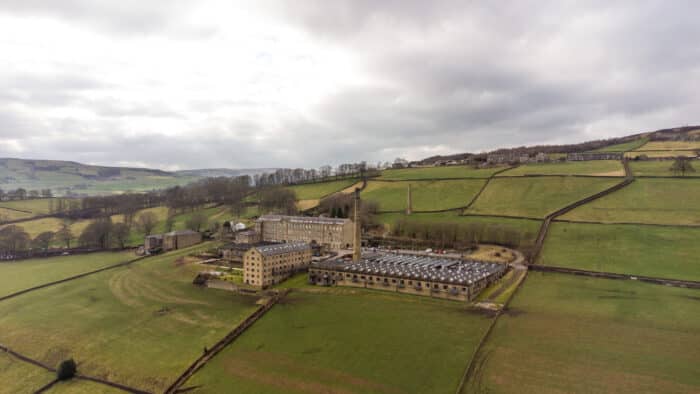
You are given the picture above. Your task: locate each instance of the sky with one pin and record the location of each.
(182, 84)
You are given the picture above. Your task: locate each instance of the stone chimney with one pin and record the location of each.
(409, 203)
(357, 241)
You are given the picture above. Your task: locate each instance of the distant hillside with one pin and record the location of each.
(686, 132)
(67, 177)
(227, 172)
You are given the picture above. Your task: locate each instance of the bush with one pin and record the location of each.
(66, 370)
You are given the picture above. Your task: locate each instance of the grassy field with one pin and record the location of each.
(11, 214)
(660, 201)
(569, 334)
(661, 153)
(659, 168)
(82, 387)
(426, 195)
(314, 191)
(23, 274)
(624, 147)
(670, 145)
(141, 325)
(349, 341)
(438, 173)
(596, 167)
(665, 252)
(19, 377)
(535, 197)
(41, 206)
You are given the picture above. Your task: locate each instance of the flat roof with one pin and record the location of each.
(408, 266)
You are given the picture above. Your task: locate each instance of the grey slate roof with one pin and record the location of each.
(302, 219)
(277, 249)
(426, 268)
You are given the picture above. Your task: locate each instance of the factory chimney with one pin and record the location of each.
(357, 241)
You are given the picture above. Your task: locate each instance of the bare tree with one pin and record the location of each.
(64, 235)
(43, 240)
(120, 234)
(147, 221)
(682, 165)
(196, 221)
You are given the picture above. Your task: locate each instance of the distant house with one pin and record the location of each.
(586, 156)
(171, 241)
(541, 157)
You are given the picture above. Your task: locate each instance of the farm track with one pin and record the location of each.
(223, 343)
(79, 376)
(84, 274)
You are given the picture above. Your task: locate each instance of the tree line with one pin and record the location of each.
(463, 235)
(24, 194)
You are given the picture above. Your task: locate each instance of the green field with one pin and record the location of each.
(18, 377)
(23, 274)
(314, 191)
(349, 341)
(660, 168)
(570, 334)
(11, 214)
(438, 173)
(669, 145)
(594, 167)
(39, 206)
(82, 387)
(661, 154)
(654, 201)
(665, 252)
(535, 197)
(426, 195)
(624, 147)
(140, 325)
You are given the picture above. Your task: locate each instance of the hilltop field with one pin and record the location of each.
(547, 339)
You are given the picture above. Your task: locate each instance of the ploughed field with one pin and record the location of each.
(571, 334)
(426, 195)
(140, 325)
(349, 341)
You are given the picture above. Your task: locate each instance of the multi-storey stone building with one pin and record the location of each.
(329, 233)
(438, 277)
(172, 240)
(266, 265)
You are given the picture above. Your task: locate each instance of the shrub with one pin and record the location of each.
(66, 370)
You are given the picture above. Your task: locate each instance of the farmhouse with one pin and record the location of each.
(586, 156)
(439, 277)
(331, 233)
(266, 265)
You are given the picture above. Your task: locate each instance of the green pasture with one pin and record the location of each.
(593, 168)
(656, 154)
(349, 341)
(40, 206)
(669, 145)
(19, 377)
(11, 214)
(661, 168)
(429, 173)
(75, 386)
(140, 325)
(23, 274)
(571, 334)
(314, 191)
(624, 147)
(654, 201)
(535, 197)
(664, 252)
(426, 195)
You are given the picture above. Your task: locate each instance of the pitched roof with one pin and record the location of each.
(277, 249)
(302, 219)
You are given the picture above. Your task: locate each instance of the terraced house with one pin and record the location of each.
(266, 265)
(331, 233)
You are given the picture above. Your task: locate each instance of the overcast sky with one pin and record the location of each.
(182, 84)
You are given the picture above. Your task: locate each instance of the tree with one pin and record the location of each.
(196, 221)
(97, 234)
(120, 234)
(147, 221)
(682, 166)
(64, 235)
(43, 240)
(169, 223)
(13, 239)
(66, 370)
